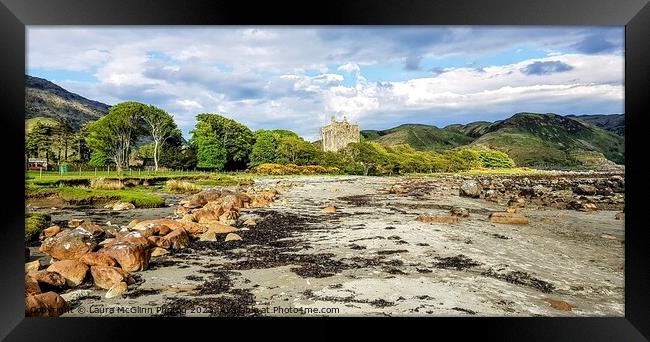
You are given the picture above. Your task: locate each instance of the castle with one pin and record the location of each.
(337, 135)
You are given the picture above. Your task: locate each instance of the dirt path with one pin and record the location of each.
(372, 257)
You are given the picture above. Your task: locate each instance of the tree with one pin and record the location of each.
(264, 150)
(160, 126)
(211, 153)
(39, 140)
(113, 134)
(235, 138)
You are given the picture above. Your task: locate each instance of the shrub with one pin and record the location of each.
(107, 184)
(292, 169)
(34, 224)
(174, 185)
(494, 159)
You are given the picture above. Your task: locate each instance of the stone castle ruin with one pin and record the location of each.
(337, 135)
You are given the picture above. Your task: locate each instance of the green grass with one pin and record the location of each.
(78, 195)
(34, 224)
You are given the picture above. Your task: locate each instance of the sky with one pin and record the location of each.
(297, 78)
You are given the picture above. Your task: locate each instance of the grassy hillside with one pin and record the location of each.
(44, 99)
(530, 139)
(420, 137)
(613, 123)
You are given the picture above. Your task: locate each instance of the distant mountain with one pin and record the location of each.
(530, 139)
(614, 123)
(46, 102)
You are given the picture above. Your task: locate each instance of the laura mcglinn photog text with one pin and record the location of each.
(100, 309)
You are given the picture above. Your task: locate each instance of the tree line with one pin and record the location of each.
(135, 131)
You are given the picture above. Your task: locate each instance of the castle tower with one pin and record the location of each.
(337, 135)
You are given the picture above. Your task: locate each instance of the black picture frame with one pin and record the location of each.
(633, 14)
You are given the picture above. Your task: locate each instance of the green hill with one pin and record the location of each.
(420, 137)
(46, 100)
(530, 139)
(614, 123)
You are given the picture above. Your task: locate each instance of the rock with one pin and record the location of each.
(98, 259)
(232, 237)
(209, 235)
(588, 207)
(608, 237)
(133, 223)
(74, 271)
(250, 222)
(220, 228)
(48, 278)
(158, 251)
(234, 201)
(181, 210)
(190, 227)
(540, 190)
(31, 286)
(620, 216)
(547, 220)
(48, 304)
(437, 219)
(584, 189)
(460, 212)
(329, 209)
(51, 231)
(32, 266)
(117, 290)
(229, 215)
(208, 214)
(559, 304)
(71, 245)
(188, 218)
(507, 218)
(517, 202)
(94, 229)
(177, 239)
(470, 188)
(74, 223)
(131, 257)
(106, 277)
(398, 189)
(511, 210)
(123, 206)
(75, 295)
(136, 238)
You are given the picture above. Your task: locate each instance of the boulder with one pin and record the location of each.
(51, 231)
(106, 277)
(117, 290)
(209, 235)
(48, 278)
(470, 188)
(229, 215)
(31, 286)
(74, 223)
(131, 257)
(208, 214)
(437, 219)
(48, 304)
(584, 189)
(398, 189)
(32, 266)
(123, 206)
(181, 210)
(190, 227)
(136, 238)
(507, 218)
(460, 212)
(329, 209)
(94, 229)
(250, 222)
(133, 223)
(177, 239)
(620, 216)
(220, 228)
(75, 295)
(559, 304)
(98, 259)
(71, 245)
(74, 271)
(232, 237)
(158, 251)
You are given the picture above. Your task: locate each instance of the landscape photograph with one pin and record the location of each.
(324, 171)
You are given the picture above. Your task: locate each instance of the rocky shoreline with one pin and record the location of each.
(486, 245)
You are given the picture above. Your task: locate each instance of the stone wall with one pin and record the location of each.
(337, 135)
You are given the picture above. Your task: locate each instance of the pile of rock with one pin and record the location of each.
(586, 193)
(110, 254)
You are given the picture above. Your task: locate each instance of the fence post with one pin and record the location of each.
(95, 172)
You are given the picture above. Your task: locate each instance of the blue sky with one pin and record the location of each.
(297, 77)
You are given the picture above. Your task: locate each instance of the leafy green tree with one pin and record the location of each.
(113, 135)
(265, 148)
(211, 152)
(160, 126)
(39, 141)
(235, 138)
(99, 159)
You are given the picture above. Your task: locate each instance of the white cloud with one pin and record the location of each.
(349, 67)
